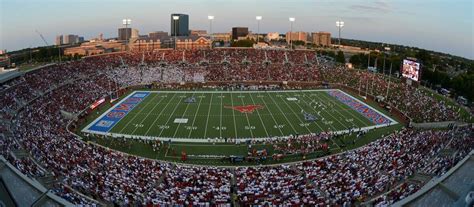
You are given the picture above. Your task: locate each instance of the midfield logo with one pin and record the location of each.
(245, 109)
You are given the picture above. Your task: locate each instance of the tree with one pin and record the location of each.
(243, 43)
(340, 57)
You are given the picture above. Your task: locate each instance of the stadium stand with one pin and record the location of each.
(34, 127)
(450, 189)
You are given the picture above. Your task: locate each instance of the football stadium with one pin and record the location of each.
(194, 122)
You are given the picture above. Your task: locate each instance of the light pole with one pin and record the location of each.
(292, 19)
(258, 18)
(126, 22)
(339, 24)
(175, 19)
(210, 28)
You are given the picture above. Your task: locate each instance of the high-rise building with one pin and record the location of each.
(59, 40)
(158, 35)
(135, 33)
(70, 39)
(179, 27)
(239, 32)
(321, 38)
(124, 33)
(296, 36)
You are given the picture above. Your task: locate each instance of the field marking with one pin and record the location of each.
(325, 111)
(347, 111)
(217, 115)
(135, 115)
(184, 113)
(197, 139)
(295, 114)
(271, 114)
(246, 116)
(86, 129)
(272, 91)
(278, 106)
(356, 99)
(332, 140)
(220, 118)
(258, 113)
(207, 120)
(340, 106)
(154, 121)
(315, 122)
(195, 115)
(233, 115)
(169, 118)
(143, 120)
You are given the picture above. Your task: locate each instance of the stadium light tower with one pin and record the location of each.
(210, 18)
(292, 19)
(258, 18)
(126, 22)
(175, 19)
(340, 25)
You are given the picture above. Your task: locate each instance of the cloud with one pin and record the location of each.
(380, 6)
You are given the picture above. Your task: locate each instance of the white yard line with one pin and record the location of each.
(296, 132)
(204, 139)
(194, 118)
(207, 120)
(233, 113)
(337, 111)
(315, 122)
(136, 115)
(273, 117)
(169, 118)
(246, 116)
(274, 91)
(332, 140)
(220, 118)
(261, 121)
(393, 121)
(143, 120)
(294, 113)
(154, 121)
(326, 111)
(182, 116)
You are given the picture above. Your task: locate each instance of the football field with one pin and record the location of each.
(196, 116)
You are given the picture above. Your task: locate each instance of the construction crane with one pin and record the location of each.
(45, 42)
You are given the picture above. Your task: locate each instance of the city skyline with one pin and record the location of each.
(439, 25)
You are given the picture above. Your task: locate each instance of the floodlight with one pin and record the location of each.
(258, 17)
(340, 24)
(292, 19)
(210, 17)
(126, 21)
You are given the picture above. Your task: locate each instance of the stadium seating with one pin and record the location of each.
(33, 105)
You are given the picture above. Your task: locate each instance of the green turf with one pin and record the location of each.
(212, 116)
(337, 118)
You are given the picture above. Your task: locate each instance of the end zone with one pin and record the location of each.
(111, 117)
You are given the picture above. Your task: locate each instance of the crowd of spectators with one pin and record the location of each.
(35, 104)
(406, 98)
(347, 178)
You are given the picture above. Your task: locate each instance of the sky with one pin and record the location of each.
(440, 25)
